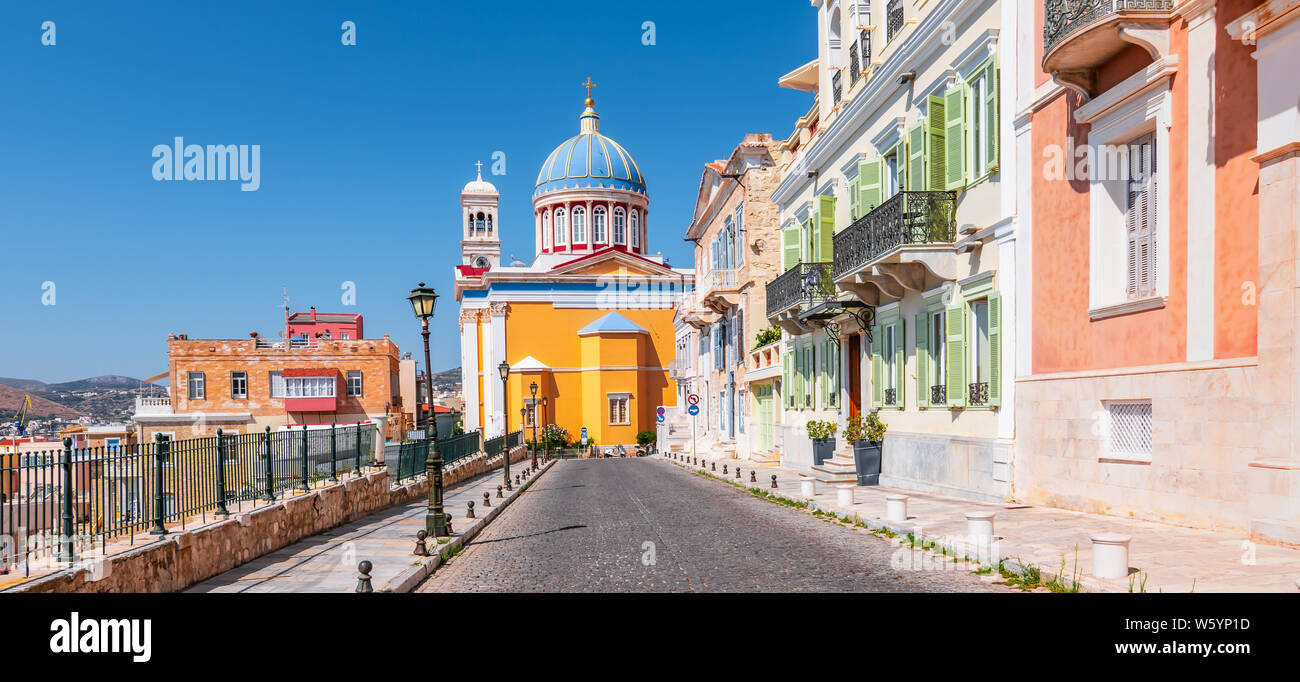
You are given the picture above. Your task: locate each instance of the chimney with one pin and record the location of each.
(313, 313)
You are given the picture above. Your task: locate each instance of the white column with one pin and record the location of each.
(591, 222)
(537, 230)
(1024, 41)
(469, 370)
(1200, 186)
(491, 385)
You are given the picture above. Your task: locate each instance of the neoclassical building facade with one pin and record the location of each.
(589, 320)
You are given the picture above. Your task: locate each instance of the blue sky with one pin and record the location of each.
(364, 150)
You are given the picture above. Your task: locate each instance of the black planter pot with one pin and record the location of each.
(866, 458)
(823, 449)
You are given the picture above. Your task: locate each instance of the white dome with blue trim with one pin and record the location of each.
(589, 160)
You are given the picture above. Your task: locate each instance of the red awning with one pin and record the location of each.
(311, 372)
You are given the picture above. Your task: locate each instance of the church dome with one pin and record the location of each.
(479, 186)
(589, 160)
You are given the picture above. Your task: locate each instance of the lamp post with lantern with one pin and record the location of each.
(504, 370)
(532, 388)
(422, 300)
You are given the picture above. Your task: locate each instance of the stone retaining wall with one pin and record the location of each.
(186, 557)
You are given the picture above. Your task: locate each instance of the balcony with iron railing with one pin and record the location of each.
(837, 86)
(803, 285)
(721, 290)
(904, 220)
(893, 19)
(1081, 35)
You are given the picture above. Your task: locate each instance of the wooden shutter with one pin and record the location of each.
(900, 361)
(789, 247)
(991, 106)
(995, 349)
(854, 196)
(922, 360)
(825, 228)
(955, 349)
(954, 137)
(1140, 218)
(915, 175)
(870, 185)
(787, 386)
(935, 150)
(877, 366)
(806, 239)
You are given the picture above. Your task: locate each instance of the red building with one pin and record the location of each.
(311, 325)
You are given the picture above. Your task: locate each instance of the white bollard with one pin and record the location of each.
(896, 507)
(807, 486)
(844, 494)
(1110, 555)
(979, 525)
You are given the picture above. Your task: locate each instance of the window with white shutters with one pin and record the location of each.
(1140, 218)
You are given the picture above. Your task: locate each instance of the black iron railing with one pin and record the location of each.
(864, 47)
(63, 501)
(893, 19)
(979, 393)
(854, 70)
(905, 218)
(1064, 17)
(837, 87)
(805, 283)
(939, 394)
(457, 448)
(891, 396)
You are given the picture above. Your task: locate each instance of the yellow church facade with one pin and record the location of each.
(589, 321)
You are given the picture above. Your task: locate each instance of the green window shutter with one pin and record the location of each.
(916, 158)
(798, 379)
(870, 185)
(900, 361)
(789, 247)
(825, 377)
(833, 351)
(810, 379)
(877, 366)
(935, 150)
(991, 103)
(955, 325)
(922, 360)
(787, 387)
(995, 349)
(826, 229)
(806, 240)
(954, 137)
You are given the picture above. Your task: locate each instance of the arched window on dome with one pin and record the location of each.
(469, 224)
(620, 226)
(561, 228)
(636, 229)
(479, 222)
(598, 225)
(579, 225)
(546, 230)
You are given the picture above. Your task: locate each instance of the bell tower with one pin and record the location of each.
(480, 243)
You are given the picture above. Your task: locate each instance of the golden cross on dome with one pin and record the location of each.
(589, 85)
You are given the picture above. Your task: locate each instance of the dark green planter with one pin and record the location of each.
(823, 449)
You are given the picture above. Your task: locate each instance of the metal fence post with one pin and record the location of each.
(269, 496)
(334, 472)
(68, 554)
(358, 444)
(158, 527)
(305, 485)
(221, 476)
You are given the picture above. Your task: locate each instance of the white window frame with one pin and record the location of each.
(1139, 105)
(979, 355)
(889, 352)
(310, 387)
(624, 400)
(190, 393)
(244, 394)
(599, 229)
(938, 348)
(634, 228)
(275, 384)
(579, 215)
(561, 228)
(546, 229)
(620, 226)
(361, 383)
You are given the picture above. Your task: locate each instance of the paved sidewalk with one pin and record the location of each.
(1173, 559)
(327, 562)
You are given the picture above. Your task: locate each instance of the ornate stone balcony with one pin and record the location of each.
(721, 290)
(1081, 35)
(803, 285)
(899, 245)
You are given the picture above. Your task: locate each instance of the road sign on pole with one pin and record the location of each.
(660, 410)
(693, 410)
(693, 399)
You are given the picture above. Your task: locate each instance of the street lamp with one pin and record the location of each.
(532, 388)
(422, 300)
(546, 454)
(504, 369)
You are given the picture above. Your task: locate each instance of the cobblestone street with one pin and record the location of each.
(643, 525)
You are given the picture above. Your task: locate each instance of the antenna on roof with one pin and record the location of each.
(285, 296)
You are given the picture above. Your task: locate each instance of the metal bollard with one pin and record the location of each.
(470, 513)
(516, 479)
(773, 480)
(449, 530)
(752, 479)
(737, 473)
(498, 492)
(724, 469)
(713, 466)
(487, 499)
(421, 549)
(363, 577)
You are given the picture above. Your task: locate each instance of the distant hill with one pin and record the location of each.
(12, 398)
(447, 379)
(93, 383)
(28, 385)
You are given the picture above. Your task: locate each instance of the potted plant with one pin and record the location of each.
(822, 434)
(867, 436)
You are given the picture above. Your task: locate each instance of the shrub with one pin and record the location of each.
(554, 437)
(818, 430)
(766, 336)
(869, 429)
(645, 437)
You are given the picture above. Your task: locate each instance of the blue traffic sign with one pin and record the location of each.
(659, 418)
(693, 410)
(660, 410)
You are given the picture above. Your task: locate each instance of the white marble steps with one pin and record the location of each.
(838, 469)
